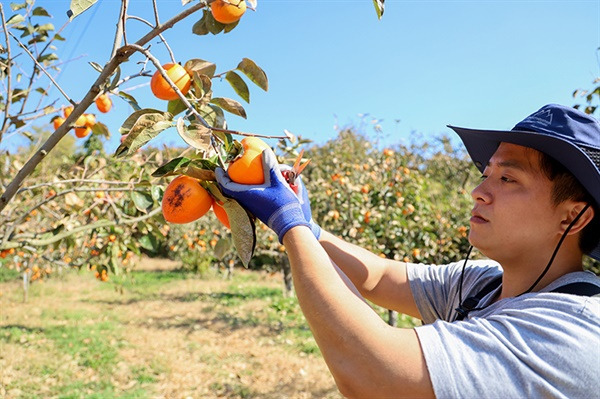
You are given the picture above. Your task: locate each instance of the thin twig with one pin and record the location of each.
(41, 67)
(8, 76)
(164, 41)
(239, 133)
(120, 33)
(60, 236)
(108, 182)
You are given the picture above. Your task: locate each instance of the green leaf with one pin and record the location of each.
(238, 84)
(229, 105)
(242, 230)
(254, 73)
(131, 100)
(213, 26)
(147, 127)
(213, 115)
(196, 135)
(200, 28)
(149, 242)
(142, 201)
(157, 193)
(201, 66)
(15, 19)
(17, 6)
(44, 28)
(379, 7)
(175, 107)
(40, 12)
(79, 6)
(222, 247)
(171, 166)
(116, 78)
(96, 66)
(133, 118)
(101, 129)
(229, 27)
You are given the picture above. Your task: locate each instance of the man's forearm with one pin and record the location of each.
(364, 354)
(382, 281)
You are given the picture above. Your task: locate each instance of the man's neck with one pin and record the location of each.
(520, 274)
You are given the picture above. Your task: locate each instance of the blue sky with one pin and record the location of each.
(426, 64)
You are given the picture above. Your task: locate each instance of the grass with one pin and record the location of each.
(158, 333)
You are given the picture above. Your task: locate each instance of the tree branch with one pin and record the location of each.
(8, 76)
(121, 56)
(58, 237)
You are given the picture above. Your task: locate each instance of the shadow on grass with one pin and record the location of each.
(11, 330)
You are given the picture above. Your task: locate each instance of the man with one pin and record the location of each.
(536, 212)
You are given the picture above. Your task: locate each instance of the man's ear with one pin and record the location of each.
(573, 210)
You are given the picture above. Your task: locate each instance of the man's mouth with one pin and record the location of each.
(477, 218)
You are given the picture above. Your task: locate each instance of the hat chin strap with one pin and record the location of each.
(562, 238)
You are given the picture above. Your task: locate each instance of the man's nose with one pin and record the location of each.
(481, 192)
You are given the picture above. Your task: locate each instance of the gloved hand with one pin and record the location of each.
(302, 195)
(273, 202)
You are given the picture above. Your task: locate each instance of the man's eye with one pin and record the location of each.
(506, 179)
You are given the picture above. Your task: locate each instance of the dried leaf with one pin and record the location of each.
(242, 230)
(201, 66)
(195, 135)
(254, 73)
(229, 105)
(79, 6)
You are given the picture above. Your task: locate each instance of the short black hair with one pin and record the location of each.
(567, 187)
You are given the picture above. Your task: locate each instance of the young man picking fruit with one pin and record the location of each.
(536, 213)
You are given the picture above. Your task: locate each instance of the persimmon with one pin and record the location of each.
(228, 11)
(90, 120)
(81, 132)
(104, 103)
(178, 74)
(247, 168)
(185, 200)
(67, 111)
(57, 122)
(221, 214)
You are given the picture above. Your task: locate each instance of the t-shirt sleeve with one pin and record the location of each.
(544, 346)
(436, 288)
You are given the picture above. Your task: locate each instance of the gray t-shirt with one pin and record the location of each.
(538, 345)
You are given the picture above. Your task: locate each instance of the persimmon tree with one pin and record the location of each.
(101, 197)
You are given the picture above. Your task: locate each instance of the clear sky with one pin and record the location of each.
(426, 64)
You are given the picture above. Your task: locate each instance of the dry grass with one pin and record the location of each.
(184, 337)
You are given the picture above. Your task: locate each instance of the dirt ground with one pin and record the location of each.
(178, 340)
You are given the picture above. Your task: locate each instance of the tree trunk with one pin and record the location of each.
(25, 286)
(392, 318)
(287, 277)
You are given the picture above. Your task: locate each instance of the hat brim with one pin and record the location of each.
(481, 145)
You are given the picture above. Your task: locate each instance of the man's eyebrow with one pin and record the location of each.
(510, 163)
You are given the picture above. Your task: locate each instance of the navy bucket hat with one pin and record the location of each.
(566, 134)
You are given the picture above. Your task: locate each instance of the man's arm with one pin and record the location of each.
(382, 281)
(367, 357)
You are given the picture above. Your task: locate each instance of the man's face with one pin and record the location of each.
(513, 217)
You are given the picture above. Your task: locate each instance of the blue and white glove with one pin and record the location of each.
(305, 203)
(273, 202)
